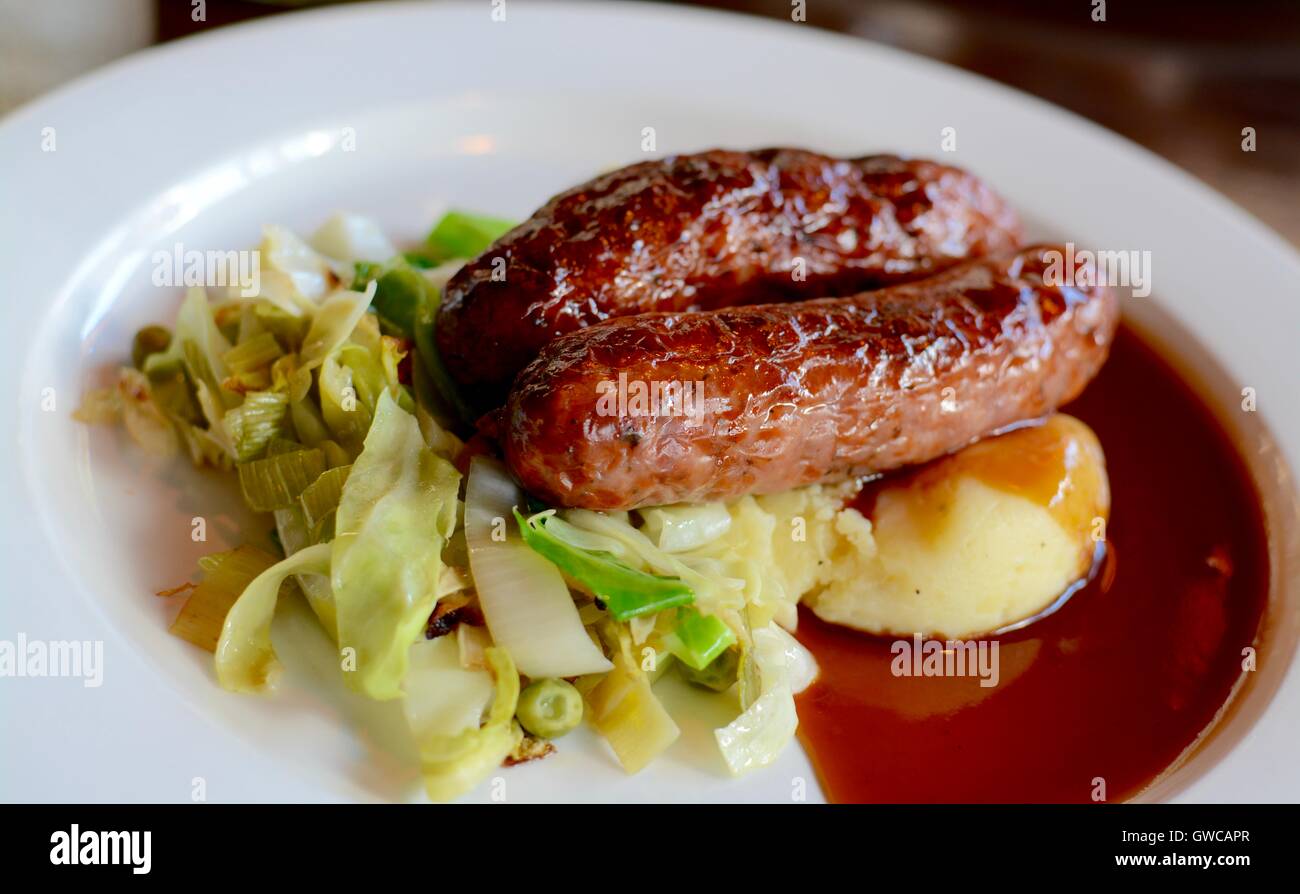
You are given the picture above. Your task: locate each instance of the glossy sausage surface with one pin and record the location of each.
(764, 398)
(700, 232)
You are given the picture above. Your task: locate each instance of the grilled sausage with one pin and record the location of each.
(793, 394)
(700, 232)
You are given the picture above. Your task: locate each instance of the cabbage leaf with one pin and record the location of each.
(397, 510)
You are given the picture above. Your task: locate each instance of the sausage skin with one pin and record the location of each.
(700, 232)
(793, 394)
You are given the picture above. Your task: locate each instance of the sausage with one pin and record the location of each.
(763, 398)
(700, 232)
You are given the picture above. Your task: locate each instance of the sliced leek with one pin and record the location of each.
(253, 424)
(277, 481)
(226, 575)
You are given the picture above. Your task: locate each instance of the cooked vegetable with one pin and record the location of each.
(306, 395)
(294, 536)
(399, 295)
(397, 509)
(454, 764)
(246, 661)
(252, 424)
(197, 343)
(308, 423)
(463, 234)
(445, 387)
(549, 708)
(368, 378)
(294, 276)
(526, 604)
(625, 590)
(698, 639)
(288, 328)
(352, 238)
(719, 675)
(680, 528)
(345, 415)
(226, 575)
(149, 340)
(277, 481)
(761, 732)
(141, 417)
(253, 353)
(715, 590)
(626, 712)
(332, 323)
(322, 496)
(442, 698)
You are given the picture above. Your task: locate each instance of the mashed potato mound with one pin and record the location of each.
(975, 542)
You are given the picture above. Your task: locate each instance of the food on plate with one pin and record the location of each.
(704, 231)
(977, 541)
(750, 385)
(775, 396)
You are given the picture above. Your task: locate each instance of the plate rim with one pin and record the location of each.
(84, 88)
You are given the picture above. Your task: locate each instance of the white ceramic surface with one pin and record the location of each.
(202, 141)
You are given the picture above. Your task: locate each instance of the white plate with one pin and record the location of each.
(202, 141)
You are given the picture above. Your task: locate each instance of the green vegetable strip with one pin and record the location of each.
(699, 639)
(322, 496)
(259, 351)
(277, 481)
(462, 234)
(253, 424)
(419, 260)
(428, 355)
(398, 298)
(627, 592)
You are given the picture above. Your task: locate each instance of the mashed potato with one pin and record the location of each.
(975, 542)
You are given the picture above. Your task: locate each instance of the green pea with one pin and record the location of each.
(549, 708)
(149, 340)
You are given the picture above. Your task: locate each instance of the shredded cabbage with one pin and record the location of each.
(762, 731)
(453, 763)
(680, 528)
(397, 509)
(246, 661)
(333, 323)
(297, 276)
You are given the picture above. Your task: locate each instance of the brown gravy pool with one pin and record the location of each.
(1118, 682)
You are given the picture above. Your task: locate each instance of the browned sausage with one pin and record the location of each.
(699, 232)
(798, 393)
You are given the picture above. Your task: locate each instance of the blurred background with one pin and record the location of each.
(1182, 79)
